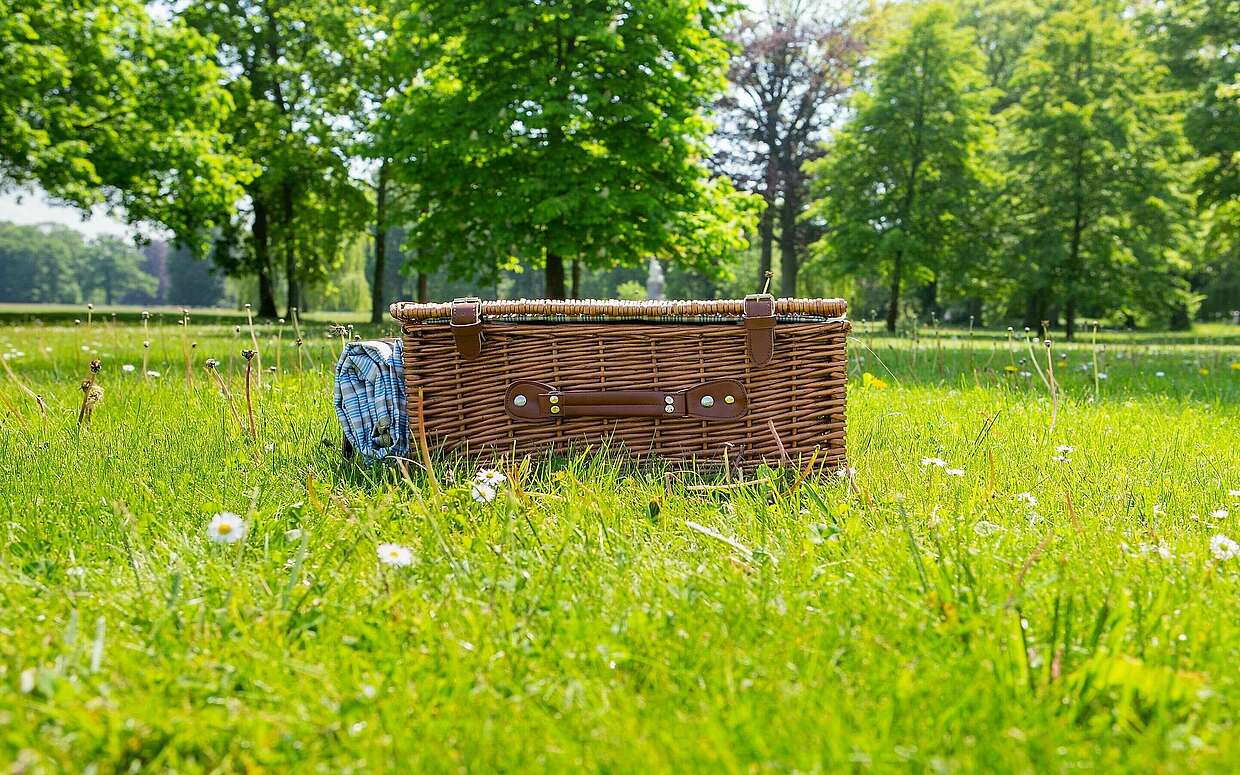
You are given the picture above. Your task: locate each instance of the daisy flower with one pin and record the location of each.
(128, 368)
(1062, 459)
(984, 528)
(490, 477)
(1160, 374)
(1219, 514)
(1223, 548)
(153, 374)
(226, 528)
(1027, 498)
(1233, 493)
(482, 492)
(954, 472)
(395, 555)
(1064, 449)
(847, 472)
(934, 461)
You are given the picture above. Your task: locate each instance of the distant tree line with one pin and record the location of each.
(1000, 160)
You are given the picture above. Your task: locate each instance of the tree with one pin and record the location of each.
(40, 264)
(563, 130)
(1095, 154)
(111, 272)
(795, 61)
(101, 103)
(903, 182)
(287, 69)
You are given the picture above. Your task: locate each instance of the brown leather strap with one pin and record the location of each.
(720, 399)
(467, 327)
(760, 328)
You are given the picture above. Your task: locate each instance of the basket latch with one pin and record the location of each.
(467, 327)
(759, 315)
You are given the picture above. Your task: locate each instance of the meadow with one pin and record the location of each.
(1005, 580)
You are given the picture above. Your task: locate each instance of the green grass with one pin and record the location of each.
(914, 621)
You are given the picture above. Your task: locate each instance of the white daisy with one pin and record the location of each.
(1062, 459)
(128, 368)
(1234, 493)
(1160, 374)
(395, 554)
(1027, 498)
(954, 472)
(1219, 514)
(934, 461)
(226, 528)
(1223, 548)
(153, 374)
(482, 492)
(984, 528)
(846, 472)
(1064, 449)
(491, 477)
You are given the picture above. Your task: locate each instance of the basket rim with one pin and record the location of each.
(614, 309)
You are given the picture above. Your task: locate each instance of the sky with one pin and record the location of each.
(31, 207)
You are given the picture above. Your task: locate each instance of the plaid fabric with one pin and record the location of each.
(370, 399)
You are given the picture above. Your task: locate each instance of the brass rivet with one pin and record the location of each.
(708, 401)
(554, 399)
(555, 410)
(519, 400)
(729, 399)
(669, 409)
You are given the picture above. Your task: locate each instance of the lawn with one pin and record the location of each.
(984, 593)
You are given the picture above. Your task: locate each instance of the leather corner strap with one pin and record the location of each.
(720, 399)
(759, 321)
(466, 326)
(760, 328)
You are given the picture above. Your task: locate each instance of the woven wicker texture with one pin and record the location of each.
(408, 311)
(801, 391)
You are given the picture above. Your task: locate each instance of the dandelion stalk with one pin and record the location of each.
(146, 344)
(297, 333)
(1054, 386)
(92, 394)
(212, 369)
(249, 316)
(38, 399)
(185, 350)
(249, 356)
(1094, 348)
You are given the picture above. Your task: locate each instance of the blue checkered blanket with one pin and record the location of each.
(370, 399)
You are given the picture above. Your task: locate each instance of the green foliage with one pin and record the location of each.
(55, 265)
(1095, 152)
(100, 103)
(904, 183)
(571, 129)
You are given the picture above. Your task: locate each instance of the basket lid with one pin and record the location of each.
(598, 309)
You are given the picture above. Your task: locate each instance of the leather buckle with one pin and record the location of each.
(759, 317)
(466, 325)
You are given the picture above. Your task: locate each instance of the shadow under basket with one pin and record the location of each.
(752, 380)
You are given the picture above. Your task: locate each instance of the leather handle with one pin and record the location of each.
(466, 327)
(760, 328)
(720, 399)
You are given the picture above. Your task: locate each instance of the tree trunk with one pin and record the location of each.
(554, 276)
(576, 286)
(766, 233)
(789, 258)
(1069, 317)
(377, 297)
(893, 307)
(261, 232)
(930, 299)
(290, 251)
(424, 287)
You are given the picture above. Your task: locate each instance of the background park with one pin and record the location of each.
(1031, 562)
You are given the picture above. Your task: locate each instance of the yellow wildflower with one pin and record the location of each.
(869, 380)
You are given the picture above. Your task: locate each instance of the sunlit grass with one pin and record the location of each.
(904, 619)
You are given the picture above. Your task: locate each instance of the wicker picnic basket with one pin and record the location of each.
(742, 381)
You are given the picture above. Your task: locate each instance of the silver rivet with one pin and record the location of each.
(519, 400)
(669, 409)
(668, 399)
(729, 399)
(554, 399)
(555, 410)
(708, 401)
